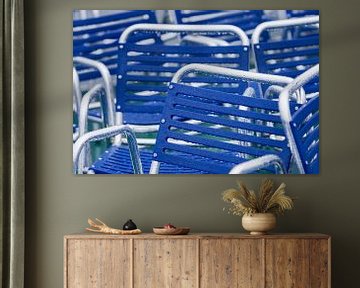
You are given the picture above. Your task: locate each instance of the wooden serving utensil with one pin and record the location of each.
(100, 227)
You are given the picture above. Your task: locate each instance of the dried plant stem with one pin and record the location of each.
(268, 200)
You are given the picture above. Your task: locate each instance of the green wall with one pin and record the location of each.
(59, 203)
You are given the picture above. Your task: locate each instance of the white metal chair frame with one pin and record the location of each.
(109, 90)
(97, 91)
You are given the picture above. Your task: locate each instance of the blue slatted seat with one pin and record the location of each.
(222, 138)
(116, 160)
(294, 53)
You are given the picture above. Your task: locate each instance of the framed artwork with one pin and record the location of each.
(196, 91)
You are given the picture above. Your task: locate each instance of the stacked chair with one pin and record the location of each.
(95, 37)
(231, 133)
(183, 99)
(145, 71)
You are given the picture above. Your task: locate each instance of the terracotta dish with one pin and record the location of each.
(171, 231)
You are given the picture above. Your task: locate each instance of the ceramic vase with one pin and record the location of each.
(259, 223)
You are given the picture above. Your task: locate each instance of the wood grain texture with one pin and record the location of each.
(231, 263)
(98, 263)
(319, 263)
(287, 263)
(165, 263)
(197, 261)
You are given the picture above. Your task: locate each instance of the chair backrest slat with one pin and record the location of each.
(301, 13)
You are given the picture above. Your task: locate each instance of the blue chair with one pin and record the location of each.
(214, 131)
(144, 71)
(95, 37)
(102, 112)
(290, 52)
(302, 127)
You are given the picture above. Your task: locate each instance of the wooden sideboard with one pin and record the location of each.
(197, 260)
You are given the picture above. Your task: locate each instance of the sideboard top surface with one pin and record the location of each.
(199, 236)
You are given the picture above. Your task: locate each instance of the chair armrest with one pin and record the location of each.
(259, 163)
(84, 118)
(104, 134)
(105, 74)
(85, 106)
(76, 90)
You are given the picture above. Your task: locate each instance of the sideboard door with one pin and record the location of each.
(98, 263)
(231, 263)
(320, 262)
(287, 263)
(297, 263)
(170, 263)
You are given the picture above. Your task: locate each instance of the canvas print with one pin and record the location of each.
(196, 92)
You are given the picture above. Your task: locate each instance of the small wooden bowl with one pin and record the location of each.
(171, 231)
